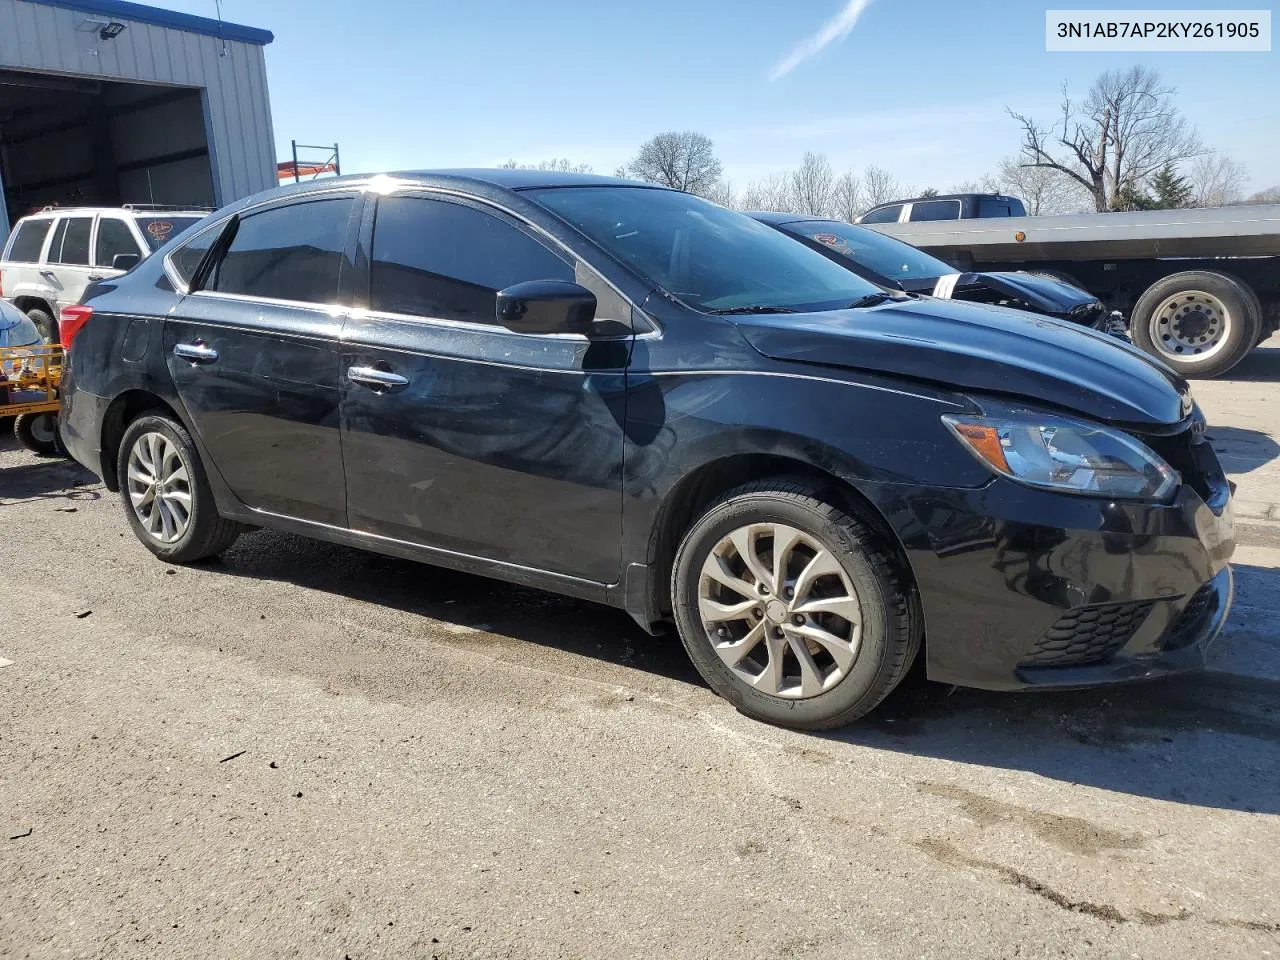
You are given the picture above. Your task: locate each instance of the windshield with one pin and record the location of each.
(890, 258)
(160, 230)
(710, 258)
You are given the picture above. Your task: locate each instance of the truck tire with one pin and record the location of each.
(1200, 322)
(45, 324)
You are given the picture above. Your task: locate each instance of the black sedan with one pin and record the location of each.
(899, 266)
(629, 394)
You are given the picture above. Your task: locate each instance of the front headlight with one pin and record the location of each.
(1072, 456)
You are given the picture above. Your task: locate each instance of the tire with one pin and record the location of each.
(45, 324)
(38, 432)
(882, 598)
(205, 534)
(1223, 317)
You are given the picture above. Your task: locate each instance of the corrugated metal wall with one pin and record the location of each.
(232, 73)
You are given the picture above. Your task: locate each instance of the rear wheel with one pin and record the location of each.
(1202, 323)
(46, 325)
(166, 493)
(38, 432)
(791, 609)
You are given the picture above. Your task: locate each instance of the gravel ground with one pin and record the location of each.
(304, 750)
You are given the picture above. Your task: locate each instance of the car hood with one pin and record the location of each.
(1044, 294)
(983, 349)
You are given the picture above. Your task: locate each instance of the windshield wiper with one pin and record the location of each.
(871, 299)
(759, 308)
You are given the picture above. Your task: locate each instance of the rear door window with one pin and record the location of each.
(287, 253)
(28, 241)
(114, 238)
(884, 215)
(924, 210)
(71, 242)
(433, 258)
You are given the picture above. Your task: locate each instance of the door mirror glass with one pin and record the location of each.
(546, 306)
(125, 261)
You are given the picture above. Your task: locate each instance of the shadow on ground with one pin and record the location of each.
(1210, 740)
(1242, 451)
(44, 478)
(1262, 365)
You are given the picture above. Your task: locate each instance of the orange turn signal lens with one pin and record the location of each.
(984, 441)
(1019, 236)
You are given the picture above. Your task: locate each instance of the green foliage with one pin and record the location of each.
(1169, 191)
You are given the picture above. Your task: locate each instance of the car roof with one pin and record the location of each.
(944, 196)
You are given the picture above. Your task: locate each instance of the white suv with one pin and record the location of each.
(52, 256)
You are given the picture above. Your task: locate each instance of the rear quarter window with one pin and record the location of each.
(27, 241)
(1000, 207)
(929, 210)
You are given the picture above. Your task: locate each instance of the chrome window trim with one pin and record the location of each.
(361, 314)
(400, 187)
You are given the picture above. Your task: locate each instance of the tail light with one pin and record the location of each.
(72, 319)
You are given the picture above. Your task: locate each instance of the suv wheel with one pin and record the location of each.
(166, 493)
(791, 609)
(46, 326)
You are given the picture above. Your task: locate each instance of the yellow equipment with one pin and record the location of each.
(30, 378)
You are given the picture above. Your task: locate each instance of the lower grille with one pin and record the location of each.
(1202, 605)
(1088, 634)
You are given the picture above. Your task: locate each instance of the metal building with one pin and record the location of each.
(104, 102)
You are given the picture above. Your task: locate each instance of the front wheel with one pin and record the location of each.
(792, 609)
(166, 493)
(1200, 322)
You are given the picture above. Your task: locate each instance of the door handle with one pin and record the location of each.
(94, 278)
(195, 352)
(49, 275)
(381, 380)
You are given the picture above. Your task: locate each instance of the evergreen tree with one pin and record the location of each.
(1168, 190)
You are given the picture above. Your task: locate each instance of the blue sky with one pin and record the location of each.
(917, 86)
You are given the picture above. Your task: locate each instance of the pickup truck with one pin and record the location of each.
(947, 206)
(1201, 287)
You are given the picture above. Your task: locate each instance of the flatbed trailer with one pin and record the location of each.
(1201, 287)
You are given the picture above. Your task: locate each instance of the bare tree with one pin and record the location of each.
(1125, 130)
(1270, 195)
(1043, 190)
(682, 160)
(558, 164)
(812, 186)
(880, 186)
(1216, 180)
(772, 193)
(846, 197)
(722, 193)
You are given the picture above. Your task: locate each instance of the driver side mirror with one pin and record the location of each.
(546, 306)
(125, 261)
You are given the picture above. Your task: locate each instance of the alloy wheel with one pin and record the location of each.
(780, 611)
(159, 487)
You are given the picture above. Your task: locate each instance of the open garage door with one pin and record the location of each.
(71, 141)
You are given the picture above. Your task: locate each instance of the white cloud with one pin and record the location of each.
(837, 28)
